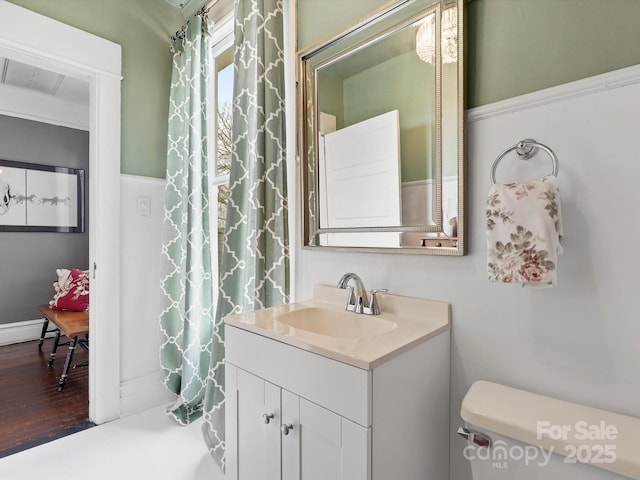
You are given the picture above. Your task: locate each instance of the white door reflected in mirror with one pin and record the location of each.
(360, 181)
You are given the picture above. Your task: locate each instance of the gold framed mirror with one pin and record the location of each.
(381, 132)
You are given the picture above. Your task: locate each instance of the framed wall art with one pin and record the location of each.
(41, 198)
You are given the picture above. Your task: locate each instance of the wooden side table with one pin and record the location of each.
(74, 325)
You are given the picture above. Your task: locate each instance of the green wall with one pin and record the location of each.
(331, 96)
(521, 46)
(515, 46)
(142, 28)
(318, 19)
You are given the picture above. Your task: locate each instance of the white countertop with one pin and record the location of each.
(417, 320)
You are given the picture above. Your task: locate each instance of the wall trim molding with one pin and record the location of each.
(428, 181)
(142, 178)
(18, 332)
(587, 86)
(141, 393)
(21, 103)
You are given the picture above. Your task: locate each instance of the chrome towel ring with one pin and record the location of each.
(525, 149)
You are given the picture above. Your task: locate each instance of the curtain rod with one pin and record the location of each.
(202, 12)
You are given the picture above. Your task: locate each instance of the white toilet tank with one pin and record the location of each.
(534, 437)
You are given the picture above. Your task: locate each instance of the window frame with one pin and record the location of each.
(221, 40)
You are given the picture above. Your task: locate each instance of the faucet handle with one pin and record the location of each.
(374, 309)
(351, 300)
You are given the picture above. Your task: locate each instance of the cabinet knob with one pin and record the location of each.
(267, 417)
(285, 429)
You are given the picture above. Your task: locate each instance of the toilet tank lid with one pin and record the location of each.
(558, 426)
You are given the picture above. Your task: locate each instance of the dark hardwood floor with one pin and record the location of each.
(32, 411)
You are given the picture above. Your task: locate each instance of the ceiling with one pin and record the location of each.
(179, 3)
(187, 7)
(43, 82)
(217, 8)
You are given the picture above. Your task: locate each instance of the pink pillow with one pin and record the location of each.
(74, 293)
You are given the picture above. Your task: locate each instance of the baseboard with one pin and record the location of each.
(143, 393)
(19, 332)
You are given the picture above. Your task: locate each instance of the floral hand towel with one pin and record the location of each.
(523, 232)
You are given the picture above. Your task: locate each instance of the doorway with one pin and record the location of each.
(36, 40)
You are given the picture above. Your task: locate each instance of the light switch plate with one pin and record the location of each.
(144, 206)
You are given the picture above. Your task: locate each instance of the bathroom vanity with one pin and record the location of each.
(314, 392)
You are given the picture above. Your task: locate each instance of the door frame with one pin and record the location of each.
(32, 38)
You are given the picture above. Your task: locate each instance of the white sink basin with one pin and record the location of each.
(322, 325)
(336, 323)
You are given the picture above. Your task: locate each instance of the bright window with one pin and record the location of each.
(220, 159)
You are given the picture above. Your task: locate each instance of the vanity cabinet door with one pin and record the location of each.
(253, 427)
(322, 445)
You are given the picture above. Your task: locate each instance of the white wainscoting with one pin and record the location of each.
(142, 204)
(417, 205)
(577, 341)
(417, 195)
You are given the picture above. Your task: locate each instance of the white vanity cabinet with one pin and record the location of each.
(281, 435)
(294, 414)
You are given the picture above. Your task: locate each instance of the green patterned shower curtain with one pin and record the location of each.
(255, 265)
(187, 317)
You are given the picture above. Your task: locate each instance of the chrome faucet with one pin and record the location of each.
(356, 300)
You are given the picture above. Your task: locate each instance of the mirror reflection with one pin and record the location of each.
(381, 108)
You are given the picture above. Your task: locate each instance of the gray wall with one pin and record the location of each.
(28, 261)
